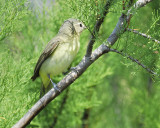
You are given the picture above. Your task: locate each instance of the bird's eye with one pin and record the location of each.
(80, 25)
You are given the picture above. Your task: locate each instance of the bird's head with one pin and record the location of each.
(72, 27)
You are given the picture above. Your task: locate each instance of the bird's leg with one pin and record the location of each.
(54, 85)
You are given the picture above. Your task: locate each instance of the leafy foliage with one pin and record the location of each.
(114, 92)
(11, 14)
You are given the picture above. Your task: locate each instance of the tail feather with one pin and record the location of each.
(34, 77)
(45, 90)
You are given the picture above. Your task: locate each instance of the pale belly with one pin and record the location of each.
(60, 60)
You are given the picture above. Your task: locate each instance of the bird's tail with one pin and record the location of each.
(45, 90)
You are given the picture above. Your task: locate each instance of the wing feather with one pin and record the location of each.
(51, 46)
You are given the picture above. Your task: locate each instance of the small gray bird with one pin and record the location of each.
(59, 53)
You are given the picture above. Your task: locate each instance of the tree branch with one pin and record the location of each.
(134, 60)
(97, 27)
(144, 35)
(74, 74)
(119, 29)
(136, 6)
(141, 3)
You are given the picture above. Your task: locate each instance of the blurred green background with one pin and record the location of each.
(113, 92)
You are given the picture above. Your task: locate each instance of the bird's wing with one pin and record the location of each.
(51, 46)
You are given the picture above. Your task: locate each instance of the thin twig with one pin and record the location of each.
(144, 35)
(134, 60)
(97, 27)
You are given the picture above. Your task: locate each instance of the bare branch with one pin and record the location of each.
(141, 3)
(144, 35)
(137, 5)
(134, 60)
(74, 74)
(96, 28)
(118, 30)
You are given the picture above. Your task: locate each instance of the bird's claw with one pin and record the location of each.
(54, 85)
(73, 68)
(56, 88)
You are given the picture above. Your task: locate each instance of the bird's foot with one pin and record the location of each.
(54, 85)
(88, 58)
(72, 68)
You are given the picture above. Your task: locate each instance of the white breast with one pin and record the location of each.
(61, 59)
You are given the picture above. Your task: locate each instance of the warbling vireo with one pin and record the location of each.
(59, 52)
